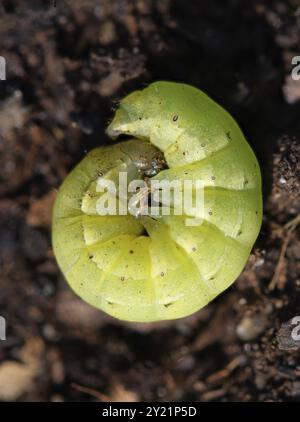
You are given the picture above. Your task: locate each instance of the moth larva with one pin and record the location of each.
(140, 268)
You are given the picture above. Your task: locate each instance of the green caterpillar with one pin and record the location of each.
(146, 269)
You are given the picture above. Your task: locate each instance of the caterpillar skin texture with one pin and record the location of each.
(142, 269)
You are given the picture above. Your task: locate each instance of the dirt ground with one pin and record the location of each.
(67, 66)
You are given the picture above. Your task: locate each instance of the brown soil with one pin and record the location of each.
(66, 66)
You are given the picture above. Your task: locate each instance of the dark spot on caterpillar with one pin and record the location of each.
(91, 256)
(203, 145)
(246, 182)
(185, 172)
(166, 305)
(256, 212)
(228, 134)
(239, 233)
(213, 178)
(212, 278)
(175, 118)
(183, 153)
(162, 274)
(122, 278)
(81, 284)
(124, 137)
(210, 212)
(194, 249)
(131, 251)
(109, 303)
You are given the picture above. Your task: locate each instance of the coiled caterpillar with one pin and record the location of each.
(146, 269)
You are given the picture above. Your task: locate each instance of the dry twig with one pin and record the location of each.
(288, 229)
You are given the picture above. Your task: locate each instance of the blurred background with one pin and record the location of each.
(67, 65)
